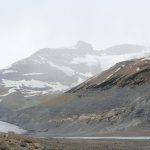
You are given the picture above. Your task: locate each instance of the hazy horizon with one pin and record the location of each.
(27, 26)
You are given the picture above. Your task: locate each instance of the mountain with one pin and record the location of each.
(47, 72)
(114, 102)
(51, 71)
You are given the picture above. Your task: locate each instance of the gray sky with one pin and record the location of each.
(28, 25)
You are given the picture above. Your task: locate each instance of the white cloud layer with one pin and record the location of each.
(106, 61)
(27, 26)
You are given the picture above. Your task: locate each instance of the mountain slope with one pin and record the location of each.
(112, 102)
(49, 72)
(131, 73)
(45, 73)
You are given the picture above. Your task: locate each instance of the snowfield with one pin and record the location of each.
(7, 127)
(33, 84)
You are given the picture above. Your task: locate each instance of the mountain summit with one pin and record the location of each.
(83, 46)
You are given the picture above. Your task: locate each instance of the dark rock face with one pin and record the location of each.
(115, 100)
(129, 73)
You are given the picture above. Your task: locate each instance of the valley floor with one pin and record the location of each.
(20, 142)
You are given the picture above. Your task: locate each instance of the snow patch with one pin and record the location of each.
(27, 83)
(7, 127)
(80, 80)
(57, 87)
(32, 74)
(138, 69)
(113, 73)
(86, 75)
(67, 70)
(110, 75)
(30, 93)
(7, 67)
(42, 60)
(9, 71)
(147, 58)
(90, 60)
(51, 86)
(9, 92)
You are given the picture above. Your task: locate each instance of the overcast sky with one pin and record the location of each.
(29, 25)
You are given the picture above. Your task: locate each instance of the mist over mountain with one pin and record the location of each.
(50, 71)
(123, 49)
